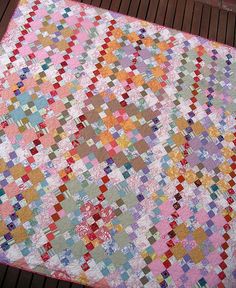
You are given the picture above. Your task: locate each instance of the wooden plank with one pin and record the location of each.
(87, 1)
(161, 13)
(152, 10)
(64, 284)
(115, 5)
(214, 23)
(188, 15)
(170, 13)
(180, 8)
(51, 283)
(96, 3)
(221, 34)
(124, 7)
(106, 4)
(235, 40)
(3, 7)
(3, 271)
(133, 8)
(24, 280)
(206, 15)
(77, 286)
(230, 32)
(197, 15)
(143, 9)
(7, 16)
(38, 281)
(11, 277)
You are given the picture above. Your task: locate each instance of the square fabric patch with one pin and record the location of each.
(117, 150)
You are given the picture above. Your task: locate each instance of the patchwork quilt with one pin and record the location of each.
(117, 150)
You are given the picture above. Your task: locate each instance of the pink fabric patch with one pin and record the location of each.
(57, 107)
(202, 216)
(212, 279)
(28, 135)
(52, 123)
(214, 258)
(193, 276)
(47, 140)
(11, 131)
(6, 94)
(30, 37)
(11, 190)
(87, 24)
(72, 20)
(175, 271)
(25, 50)
(41, 54)
(163, 227)
(6, 209)
(78, 49)
(3, 109)
(166, 208)
(36, 24)
(157, 267)
(73, 63)
(160, 247)
(184, 212)
(82, 36)
(56, 16)
(40, 13)
(57, 58)
(216, 240)
(30, 83)
(219, 221)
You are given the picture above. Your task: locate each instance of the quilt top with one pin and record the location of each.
(117, 150)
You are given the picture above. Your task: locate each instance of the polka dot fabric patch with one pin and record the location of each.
(117, 150)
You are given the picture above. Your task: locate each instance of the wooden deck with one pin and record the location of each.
(15, 278)
(186, 15)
